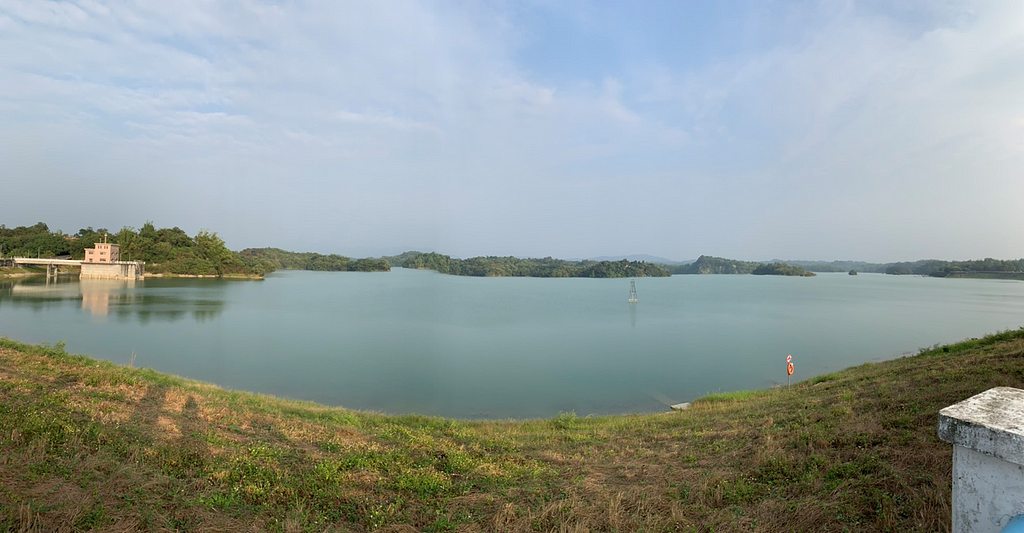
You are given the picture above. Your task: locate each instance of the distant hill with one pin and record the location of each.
(547, 267)
(781, 269)
(835, 266)
(639, 257)
(285, 260)
(999, 268)
(707, 264)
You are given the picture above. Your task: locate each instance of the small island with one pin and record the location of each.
(278, 259)
(781, 269)
(707, 264)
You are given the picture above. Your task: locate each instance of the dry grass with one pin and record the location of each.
(87, 445)
(20, 272)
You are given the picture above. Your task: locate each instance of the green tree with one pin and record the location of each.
(211, 249)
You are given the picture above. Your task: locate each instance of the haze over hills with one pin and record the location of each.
(640, 257)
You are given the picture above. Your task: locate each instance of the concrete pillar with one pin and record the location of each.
(987, 433)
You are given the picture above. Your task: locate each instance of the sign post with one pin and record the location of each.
(789, 370)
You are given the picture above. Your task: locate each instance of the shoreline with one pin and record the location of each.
(1017, 333)
(851, 450)
(18, 272)
(202, 276)
(25, 274)
(13, 275)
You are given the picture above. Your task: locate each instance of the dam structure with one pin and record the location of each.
(101, 262)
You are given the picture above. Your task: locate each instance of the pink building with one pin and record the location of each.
(104, 252)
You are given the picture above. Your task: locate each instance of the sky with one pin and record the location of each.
(882, 131)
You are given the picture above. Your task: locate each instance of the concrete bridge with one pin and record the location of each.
(18, 261)
(115, 270)
(52, 265)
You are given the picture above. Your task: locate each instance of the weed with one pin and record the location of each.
(566, 421)
(423, 482)
(824, 378)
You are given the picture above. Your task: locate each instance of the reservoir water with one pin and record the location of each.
(420, 342)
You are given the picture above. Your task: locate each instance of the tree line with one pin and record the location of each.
(173, 251)
(547, 267)
(925, 267)
(165, 250)
(707, 264)
(840, 266)
(941, 269)
(278, 259)
(780, 269)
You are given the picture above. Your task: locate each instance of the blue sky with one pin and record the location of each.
(879, 131)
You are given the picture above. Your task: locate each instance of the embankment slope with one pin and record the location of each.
(86, 444)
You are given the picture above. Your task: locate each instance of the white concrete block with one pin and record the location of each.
(987, 433)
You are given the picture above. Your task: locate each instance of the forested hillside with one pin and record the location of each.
(172, 251)
(514, 266)
(780, 269)
(707, 264)
(938, 268)
(165, 250)
(925, 267)
(838, 266)
(285, 260)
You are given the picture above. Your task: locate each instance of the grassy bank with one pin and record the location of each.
(86, 444)
(20, 272)
(218, 276)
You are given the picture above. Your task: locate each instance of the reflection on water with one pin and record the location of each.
(99, 294)
(103, 297)
(419, 342)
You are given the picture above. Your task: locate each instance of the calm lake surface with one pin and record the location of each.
(420, 342)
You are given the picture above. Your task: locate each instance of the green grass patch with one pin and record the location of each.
(92, 445)
(736, 396)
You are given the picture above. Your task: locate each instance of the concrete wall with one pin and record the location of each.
(990, 491)
(987, 433)
(122, 270)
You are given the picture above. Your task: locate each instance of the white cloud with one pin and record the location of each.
(388, 100)
(386, 120)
